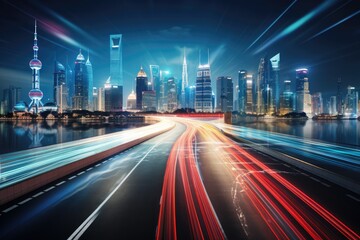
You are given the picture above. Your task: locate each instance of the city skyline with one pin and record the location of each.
(163, 43)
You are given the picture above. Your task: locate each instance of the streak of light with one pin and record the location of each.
(272, 24)
(296, 25)
(334, 25)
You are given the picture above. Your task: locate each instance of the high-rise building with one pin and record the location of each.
(11, 96)
(351, 103)
(80, 99)
(275, 84)
(249, 104)
(131, 101)
(224, 94)
(333, 107)
(116, 64)
(163, 105)
(113, 97)
(141, 85)
(184, 84)
(172, 95)
(339, 100)
(242, 90)
(317, 103)
(263, 88)
(60, 87)
(155, 82)
(149, 100)
(203, 97)
(286, 99)
(303, 97)
(35, 93)
(69, 83)
(190, 96)
(90, 79)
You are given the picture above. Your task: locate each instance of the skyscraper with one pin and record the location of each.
(351, 103)
(172, 95)
(141, 85)
(242, 90)
(11, 96)
(249, 104)
(190, 96)
(116, 65)
(286, 99)
(275, 86)
(60, 87)
(203, 97)
(184, 83)
(317, 103)
(69, 83)
(80, 99)
(90, 79)
(303, 97)
(333, 106)
(339, 98)
(224, 94)
(35, 93)
(155, 82)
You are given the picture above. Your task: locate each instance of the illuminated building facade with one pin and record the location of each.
(249, 104)
(351, 102)
(242, 91)
(275, 83)
(141, 86)
(60, 87)
(80, 100)
(190, 97)
(116, 63)
(131, 101)
(149, 100)
(286, 99)
(172, 95)
(317, 103)
(155, 82)
(11, 96)
(90, 79)
(113, 97)
(333, 107)
(303, 97)
(203, 96)
(224, 94)
(184, 84)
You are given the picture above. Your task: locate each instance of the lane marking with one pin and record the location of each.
(38, 194)
(10, 208)
(85, 225)
(80, 173)
(25, 201)
(353, 198)
(97, 164)
(315, 179)
(305, 174)
(325, 184)
(89, 169)
(287, 165)
(72, 177)
(49, 189)
(105, 161)
(60, 183)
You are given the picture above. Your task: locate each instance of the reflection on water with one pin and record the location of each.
(340, 132)
(20, 135)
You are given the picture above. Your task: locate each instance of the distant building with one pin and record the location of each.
(249, 104)
(317, 103)
(203, 97)
(286, 99)
(80, 99)
(155, 82)
(116, 62)
(60, 87)
(69, 83)
(190, 96)
(141, 85)
(90, 79)
(113, 97)
(333, 107)
(149, 100)
(242, 91)
(172, 95)
(131, 102)
(224, 94)
(275, 83)
(303, 97)
(351, 102)
(184, 84)
(11, 96)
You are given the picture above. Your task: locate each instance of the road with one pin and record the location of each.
(192, 182)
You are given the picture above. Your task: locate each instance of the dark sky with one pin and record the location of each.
(155, 32)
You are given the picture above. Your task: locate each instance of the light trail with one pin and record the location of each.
(272, 24)
(297, 24)
(334, 25)
(203, 222)
(287, 211)
(22, 165)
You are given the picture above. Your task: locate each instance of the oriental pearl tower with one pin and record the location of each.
(35, 93)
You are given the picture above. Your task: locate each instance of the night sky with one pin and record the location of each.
(323, 36)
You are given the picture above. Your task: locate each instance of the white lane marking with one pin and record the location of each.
(38, 194)
(286, 165)
(25, 201)
(80, 173)
(307, 175)
(325, 184)
(353, 198)
(97, 164)
(10, 208)
(60, 183)
(72, 177)
(89, 169)
(105, 161)
(82, 228)
(50, 188)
